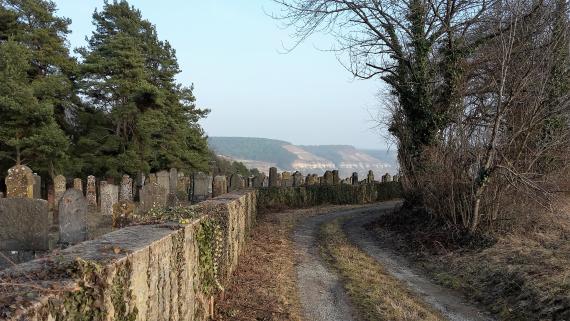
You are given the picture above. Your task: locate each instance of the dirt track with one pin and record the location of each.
(321, 291)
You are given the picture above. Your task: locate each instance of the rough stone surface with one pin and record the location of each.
(370, 177)
(336, 177)
(20, 182)
(386, 178)
(123, 212)
(126, 189)
(78, 184)
(354, 178)
(109, 197)
(72, 217)
(220, 186)
(298, 179)
(183, 187)
(173, 180)
(286, 179)
(201, 184)
(59, 187)
(235, 182)
(163, 179)
(258, 180)
(37, 186)
(152, 195)
(328, 178)
(273, 178)
(24, 224)
(91, 192)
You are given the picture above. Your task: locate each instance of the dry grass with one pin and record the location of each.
(375, 293)
(264, 285)
(520, 276)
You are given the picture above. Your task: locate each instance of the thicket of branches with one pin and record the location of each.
(479, 91)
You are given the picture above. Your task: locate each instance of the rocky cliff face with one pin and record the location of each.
(264, 153)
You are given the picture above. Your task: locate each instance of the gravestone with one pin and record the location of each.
(242, 182)
(78, 184)
(311, 180)
(335, 176)
(265, 182)
(235, 182)
(396, 178)
(109, 196)
(72, 217)
(386, 178)
(328, 178)
(37, 186)
(220, 186)
(273, 178)
(59, 187)
(370, 177)
(20, 182)
(286, 179)
(151, 179)
(152, 196)
(123, 213)
(258, 180)
(298, 179)
(354, 178)
(24, 224)
(163, 179)
(182, 187)
(172, 180)
(126, 189)
(91, 192)
(201, 184)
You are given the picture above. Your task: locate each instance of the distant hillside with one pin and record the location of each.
(263, 153)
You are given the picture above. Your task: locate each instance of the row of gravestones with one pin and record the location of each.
(286, 179)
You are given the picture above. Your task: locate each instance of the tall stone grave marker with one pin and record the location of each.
(286, 179)
(91, 192)
(152, 196)
(258, 180)
(163, 179)
(370, 177)
(108, 197)
(20, 182)
(335, 177)
(386, 178)
(37, 186)
(201, 184)
(24, 224)
(72, 217)
(78, 184)
(354, 178)
(235, 182)
(328, 178)
(59, 187)
(126, 189)
(273, 178)
(298, 179)
(220, 186)
(182, 187)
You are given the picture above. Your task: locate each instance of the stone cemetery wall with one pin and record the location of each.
(144, 272)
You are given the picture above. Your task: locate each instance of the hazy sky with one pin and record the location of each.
(233, 52)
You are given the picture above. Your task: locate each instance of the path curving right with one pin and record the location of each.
(321, 291)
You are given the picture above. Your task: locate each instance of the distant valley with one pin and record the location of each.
(262, 153)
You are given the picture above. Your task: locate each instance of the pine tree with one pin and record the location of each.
(29, 133)
(33, 25)
(146, 121)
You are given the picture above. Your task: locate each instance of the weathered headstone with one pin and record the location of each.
(220, 186)
(59, 187)
(311, 179)
(152, 178)
(152, 196)
(201, 184)
(91, 192)
(72, 217)
(396, 178)
(273, 178)
(123, 213)
(37, 186)
(182, 187)
(258, 180)
(173, 180)
(286, 179)
(370, 177)
(298, 179)
(335, 177)
(354, 178)
(24, 224)
(327, 178)
(106, 198)
(163, 179)
(78, 184)
(20, 182)
(126, 189)
(235, 182)
(386, 178)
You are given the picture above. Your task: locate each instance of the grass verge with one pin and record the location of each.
(263, 287)
(518, 276)
(375, 293)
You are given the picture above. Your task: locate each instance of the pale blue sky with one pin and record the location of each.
(233, 53)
